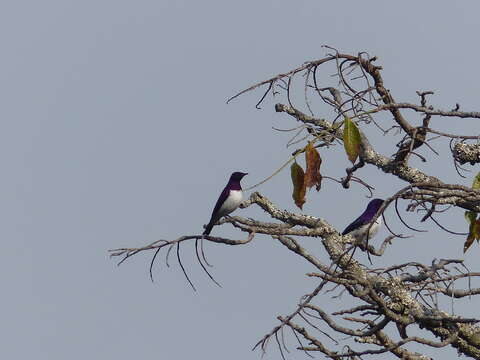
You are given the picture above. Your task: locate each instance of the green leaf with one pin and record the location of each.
(473, 229)
(351, 139)
(470, 216)
(312, 173)
(476, 182)
(299, 188)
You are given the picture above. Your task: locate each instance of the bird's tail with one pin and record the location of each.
(208, 228)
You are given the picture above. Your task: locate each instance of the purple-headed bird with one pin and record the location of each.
(358, 228)
(228, 201)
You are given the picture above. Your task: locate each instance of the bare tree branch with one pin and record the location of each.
(387, 301)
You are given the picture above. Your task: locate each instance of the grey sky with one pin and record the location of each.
(116, 133)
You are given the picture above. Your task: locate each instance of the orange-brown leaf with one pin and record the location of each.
(468, 242)
(476, 230)
(312, 173)
(298, 180)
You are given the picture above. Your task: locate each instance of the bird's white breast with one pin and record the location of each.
(361, 232)
(233, 201)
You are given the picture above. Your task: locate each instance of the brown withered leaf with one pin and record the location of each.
(312, 173)
(468, 242)
(298, 180)
(351, 139)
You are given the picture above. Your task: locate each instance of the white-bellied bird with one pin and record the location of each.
(359, 227)
(228, 201)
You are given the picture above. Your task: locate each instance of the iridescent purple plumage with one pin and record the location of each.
(358, 228)
(229, 200)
